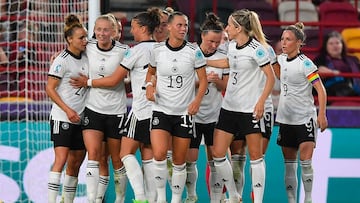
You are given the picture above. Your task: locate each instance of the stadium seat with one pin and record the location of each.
(338, 13)
(351, 38)
(307, 12)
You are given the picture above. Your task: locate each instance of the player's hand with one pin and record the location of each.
(80, 81)
(258, 111)
(193, 108)
(212, 77)
(322, 122)
(73, 116)
(150, 93)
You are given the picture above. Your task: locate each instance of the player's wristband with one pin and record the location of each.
(149, 84)
(89, 82)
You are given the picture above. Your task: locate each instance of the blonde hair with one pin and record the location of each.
(250, 21)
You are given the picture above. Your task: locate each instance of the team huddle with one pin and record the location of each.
(218, 90)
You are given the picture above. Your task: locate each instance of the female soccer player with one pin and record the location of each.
(136, 61)
(211, 36)
(243, 105)
(296, 111)
(67, 110)
(105, 112)
(175, 63)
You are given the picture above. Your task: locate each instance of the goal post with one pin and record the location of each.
(31, 32)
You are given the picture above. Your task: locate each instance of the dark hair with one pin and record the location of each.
(212, 23)
(298, 30)
(323, 49)
(71, 22)
(175, 13)
(149, 19)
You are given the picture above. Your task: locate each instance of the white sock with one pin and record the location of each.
(149, 180)
(238, 166)
(178, 182)
(120, 180)
(224, 170)
(53, 186)
(191, 178)
(161, 174)
(169, 165)
(102, 187)
(135, 176)
(216, 184)
(69, 188)
(291, 181)
(307, 175)
(92, 180)
(258, 179)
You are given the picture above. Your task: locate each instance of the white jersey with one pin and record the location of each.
(245, 84)
(103, 63)
(211, 103)
(67, 65)
(296, 103)
(175, 72)
(136, 60)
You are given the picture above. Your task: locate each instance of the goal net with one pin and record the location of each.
(31, 31)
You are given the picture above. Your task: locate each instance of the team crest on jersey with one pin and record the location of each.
(155, 121)
(65, 126)
(174, 69)
(57, 68)
(260, 53)
(127, 53)
(307, 63)
(199, 54)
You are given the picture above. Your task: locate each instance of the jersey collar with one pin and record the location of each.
(175, 48)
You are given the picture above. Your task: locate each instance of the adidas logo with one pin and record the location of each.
(256, 126)
(177, 187)
(158, 178)
(224, 180)
(289, 187)
(258, 185)
(217, 185)
(308, 180)
(310, 135)
(89, 173)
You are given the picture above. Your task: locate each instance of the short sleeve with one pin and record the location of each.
(57, 69)
(261, 56)
(199, 58)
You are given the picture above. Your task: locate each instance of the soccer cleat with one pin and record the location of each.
(191, 199)
(140, 201)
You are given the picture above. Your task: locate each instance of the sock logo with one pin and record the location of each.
(308, 180)
(258, 185)
(289, 187)
(158, 178)
(89, 173)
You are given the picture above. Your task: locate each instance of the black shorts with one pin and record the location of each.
(269, 123)
(239, 124)
(138, 130)
(66, 134)
(112, 126)
(179, 126)
(293, 135)
(203, 130)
